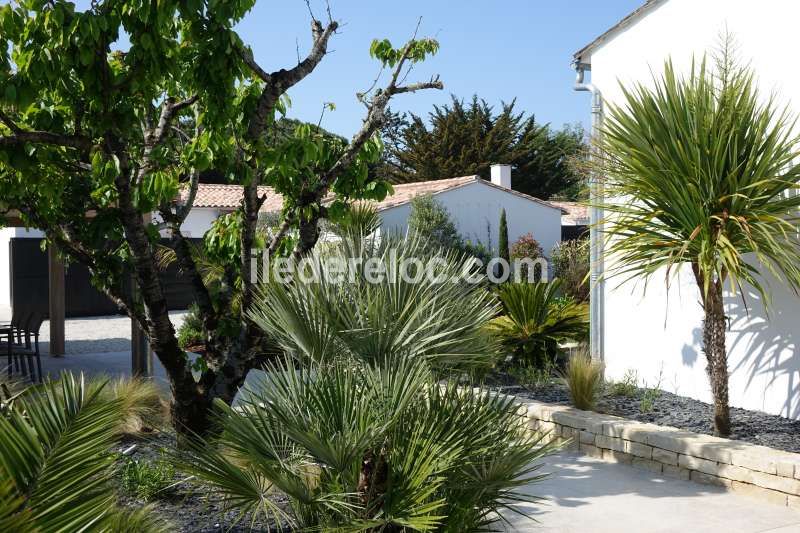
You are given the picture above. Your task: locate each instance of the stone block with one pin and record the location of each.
(709, 479)
(617, 457)
(736, 473)
(665, 457)
(646, 464)
(675, 472)
(774, 482)
(573, 418)
(759, 458)
(698, 464)
(610, 443)
(638, 449)
(587, 437)
(753, 491)
(591, 450)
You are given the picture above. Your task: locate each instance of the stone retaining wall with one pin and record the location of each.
(752, 470)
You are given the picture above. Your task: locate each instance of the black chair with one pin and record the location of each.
(23, 347)
(13, 332)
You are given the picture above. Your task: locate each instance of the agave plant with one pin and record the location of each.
(318, 317)
(56, 463)
(536, 319)
(370, 446)
(700, 172)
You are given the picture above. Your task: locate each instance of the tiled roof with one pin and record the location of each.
(229, 197)
(574, 213)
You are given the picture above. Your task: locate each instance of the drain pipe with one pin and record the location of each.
(596, 293)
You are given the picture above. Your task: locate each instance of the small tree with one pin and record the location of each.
(700, 172)
(432, 221)
(94, 140)
(570, 262)
(502, 239)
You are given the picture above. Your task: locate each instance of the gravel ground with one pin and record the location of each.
(678, 411)
(188, 507)
(98, 334)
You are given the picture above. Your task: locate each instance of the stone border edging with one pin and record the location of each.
(752, 470)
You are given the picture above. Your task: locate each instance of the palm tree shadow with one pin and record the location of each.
(769, 346)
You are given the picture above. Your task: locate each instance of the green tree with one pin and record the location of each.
(465, 139)
(502, 240)
(93, 140)
(432, 221)
(700, 172)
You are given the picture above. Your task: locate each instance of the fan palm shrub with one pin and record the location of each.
(700, 172)
(535, 319)
(438, 317)
(370, 446)
(56, 464)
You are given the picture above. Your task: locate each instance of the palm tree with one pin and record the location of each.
(359, 446)
(699, 171)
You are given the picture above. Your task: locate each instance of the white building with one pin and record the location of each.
(658, 333)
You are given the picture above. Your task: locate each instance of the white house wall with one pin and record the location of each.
(657, 333)
(475, 209)
(6, 234)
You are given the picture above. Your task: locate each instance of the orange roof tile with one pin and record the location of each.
(229, 197)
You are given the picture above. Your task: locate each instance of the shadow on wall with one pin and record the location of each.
(691, 352)
(769, 344)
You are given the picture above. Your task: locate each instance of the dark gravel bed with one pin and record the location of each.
(677, 411)
(188, 507)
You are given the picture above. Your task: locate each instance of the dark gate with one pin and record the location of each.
(29, 284)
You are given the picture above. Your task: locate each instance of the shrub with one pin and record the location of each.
(570, 262)
(627, 387)
(316, 320)
(584, 379)
(143, 405)
(431, 220)
(147, 479)
(56, 468)
(191, 332)
(536, 320)
(377, 447)
(526, 247)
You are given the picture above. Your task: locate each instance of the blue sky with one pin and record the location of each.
(500, 49)
(497, 49)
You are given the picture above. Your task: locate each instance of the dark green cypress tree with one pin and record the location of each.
(502, 241)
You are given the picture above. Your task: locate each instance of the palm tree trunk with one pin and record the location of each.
(716, 354)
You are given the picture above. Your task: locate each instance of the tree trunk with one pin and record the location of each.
(714, 347)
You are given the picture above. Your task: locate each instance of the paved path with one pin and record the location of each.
(93, 335)
(589, 495)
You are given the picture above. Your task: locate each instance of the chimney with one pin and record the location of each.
(501, 175)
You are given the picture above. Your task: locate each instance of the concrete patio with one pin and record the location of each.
(589, 495)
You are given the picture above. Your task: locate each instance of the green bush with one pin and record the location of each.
(536, 320)
(316, 320)
(431, 220)
(584, 379)
(526, 247)
(191, 331)
(570, 262)
(627, 387)
(147, 479)
(375, 447)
